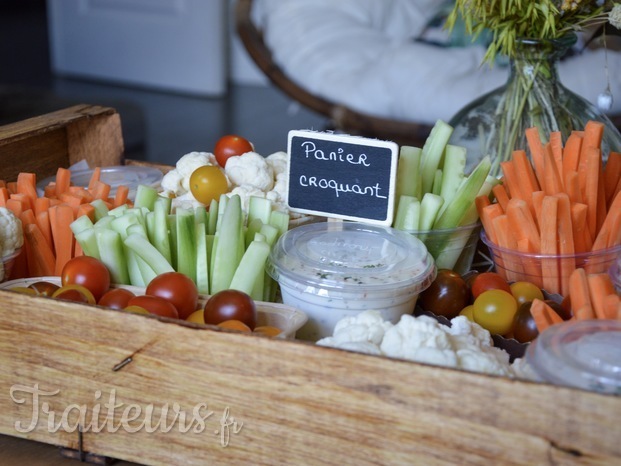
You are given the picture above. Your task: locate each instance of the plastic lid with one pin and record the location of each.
(350, 256)
(584, 354)
(128, 175)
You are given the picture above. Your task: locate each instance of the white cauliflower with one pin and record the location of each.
(11, 233)
(171, 183)
(245, 192)
(465, 345)
(278, 161)
(250, 169)
(190, 162)
(185, 201)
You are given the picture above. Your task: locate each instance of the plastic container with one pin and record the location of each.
(7, 263)
(548, 271)
(127, 175)
(452, 248)
(615, 274)
(333, 270)
(583, 354)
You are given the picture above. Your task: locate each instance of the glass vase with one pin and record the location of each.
(533, 95)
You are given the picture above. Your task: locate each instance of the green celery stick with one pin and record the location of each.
(452, 171)
(254, 226)
(101, 209)
(433, 150)
(280, 220)
(80, 224)
(251, 268)
(145, 196)
(213, 217)
(171, 221)
(186, 244)
(88, 242)
(118, 211)
(408, 172)
(429, 208)
(259, 207)
(148, 253)
(114, 258)
(202, 258)
(437, 182)
(226, 246)
(408, 213)
(161, 236)
(200, 215)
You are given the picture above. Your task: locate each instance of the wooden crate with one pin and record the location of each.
(283, 402)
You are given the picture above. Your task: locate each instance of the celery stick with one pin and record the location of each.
(202, 258)
(452, 171)
(88, 242)
(429, 208)
(464, 197)
(254, 226)
(186, 244)
(224, 200)
(408, 213)
(104, 222)
(80, 224)
(171, 221)
(145, 196)
(148, 253)
(200, 215)
(213, 217)
(433, 149)
(270, 234)
(436, 188)
(139, 229)
(101, 209)
(408, 172)
(226, 245)
(150, 222)
(111, 243)
(142, 272)
(280, 220)
(118, 211)
(122, 223)
(251, 267)
(161, 237)
(259, 207)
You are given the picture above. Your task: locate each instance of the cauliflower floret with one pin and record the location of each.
(491, 360)
(465, 333)
(171, 183)
(245, 192)
(190, 162)
(250, 169)
(367, 326)
(11, 233)
(278, 161)
(185, 201)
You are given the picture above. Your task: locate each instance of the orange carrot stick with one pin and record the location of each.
(487, 215)
(41, 252)
(511, 182)
(549, 242)
(600, 286)
(500, 193)
(27, 185)
(584, 313)
(522, 224)
(571, 153)
(508, 266)
(578, 223)
(63, 236)
(28, 217)
(525, 173)
(611, 306)
(602, 238)
(88, 210)
(579, 293)
(536, 152)
(4, 196)
(556, 146)
(11, 186)
(15, 206)
(552, 178)
(96, 176)
(543, 315)
(612, 174)
(63, 181)
(120, 197)
(565, 242)
(537, 202)
(41, 205)
(591, 173)
(43, 222)
(101, 190)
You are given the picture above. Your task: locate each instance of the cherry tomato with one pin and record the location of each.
(44, 288)
(494, 310)
(116, 298)
(559, 309)
(525, 292)
(136, 310)
(267, 330)
(89, 272)
(488, 281)
(229, 146)
(235, 325)
(468, 312)
(197, 317)
(155, 305)
(72, 292)
(176, 288)
(231, 305)
(524, 327)
(208, 183)
(447, 295)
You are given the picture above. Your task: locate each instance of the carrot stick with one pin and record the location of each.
(536, 152)
(552, 178)
(15, 206)
(556, 146)
(62, 236)
(584, 313)
(614, 238)
(525, 173)
(500, 193)
(571, 153)
(88, 210)
(612, 174)
(79, 191)
(537, 198)
(4, 196)
(549, 266)
(96, 176)
(50, 191)
(543, 315)
(2, 184)
(511, 182)
(565, 242)
(578, 223)
(42, 254)
(602, 239)
(600, 286)
(522, 224)
(11, 186)
(43, 222)
(120, 197)
(591, 174)
(508, 267)
(579, 293)
(41, 205)
(572, 186)
(23, 199)
(487, 215)
(101, 190)
(28, 217)
(27, 185)
(71, 200)
(612, 302)
(63, 181)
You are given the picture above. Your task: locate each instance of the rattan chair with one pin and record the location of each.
(341, 117)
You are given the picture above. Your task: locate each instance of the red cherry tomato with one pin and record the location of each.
(208, 183)
(77, 293)
(230, 146)
(489, 281)
(176, 288)
(231, 305)
(44, 288)
(88, 272)
(116, 298)
(155, 305)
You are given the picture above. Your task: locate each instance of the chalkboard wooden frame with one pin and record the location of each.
(342, 176)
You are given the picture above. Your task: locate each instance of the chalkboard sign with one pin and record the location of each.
(341, 176)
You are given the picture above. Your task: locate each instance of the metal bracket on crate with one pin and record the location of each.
(83, 456)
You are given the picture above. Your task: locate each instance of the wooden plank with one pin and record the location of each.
(299, 403)
(60, 139)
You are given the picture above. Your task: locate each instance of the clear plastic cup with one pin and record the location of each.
(451, 248)
(8, 262)
(333, 270)
(548, 271)
(584, 354)
(615, 274)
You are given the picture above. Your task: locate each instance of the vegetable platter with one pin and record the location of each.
(282, 401)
